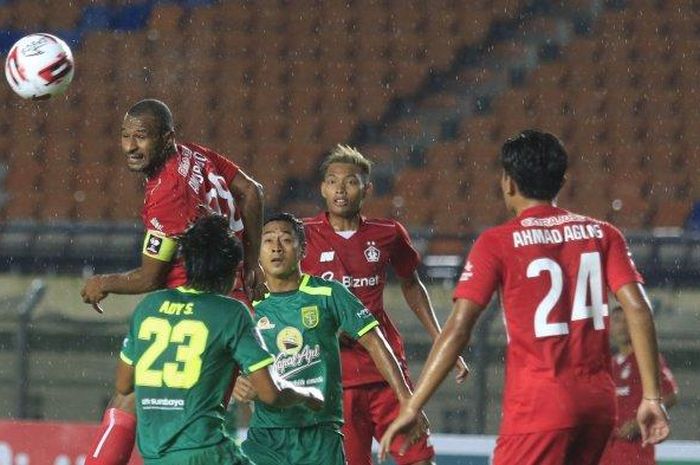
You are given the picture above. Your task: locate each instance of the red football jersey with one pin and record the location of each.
(192, 181)
(360, 263)
(553, 269)
(628, 387)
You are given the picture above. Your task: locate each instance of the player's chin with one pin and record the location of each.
(346, 211)
(136, 167)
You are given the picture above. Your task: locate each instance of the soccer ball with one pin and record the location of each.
(39, 66)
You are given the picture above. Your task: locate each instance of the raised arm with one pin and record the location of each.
(418, 300)
(651, 414)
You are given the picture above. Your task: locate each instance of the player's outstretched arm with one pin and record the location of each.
(447, 347)
(417, 298)
(274, 391)
(651, 414)
(249, 196)
(151, 275)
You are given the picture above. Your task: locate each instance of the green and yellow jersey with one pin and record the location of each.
(184, 346)
(300, 328)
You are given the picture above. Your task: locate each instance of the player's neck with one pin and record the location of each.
(284, 284)
(522, 204)
(340, 223)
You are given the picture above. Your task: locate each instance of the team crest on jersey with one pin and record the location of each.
(290, 341)
(327, 256)
(265, 323)
(154, 244)
(310, 316)
(372, 253)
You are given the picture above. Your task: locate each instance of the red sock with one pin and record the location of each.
(115, 439)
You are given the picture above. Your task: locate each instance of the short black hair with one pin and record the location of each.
(211, 253)
(297, 225)
(537, 162)
(156, 109)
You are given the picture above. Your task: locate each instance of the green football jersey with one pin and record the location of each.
(184, 346)
(300, 328)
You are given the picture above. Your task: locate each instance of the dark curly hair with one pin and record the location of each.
(537, 163)
(211, 253)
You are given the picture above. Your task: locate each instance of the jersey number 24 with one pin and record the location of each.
(184, 371)
(589, 278)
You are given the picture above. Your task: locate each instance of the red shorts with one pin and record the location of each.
(368, 412)
(623, 452)
(582, 445)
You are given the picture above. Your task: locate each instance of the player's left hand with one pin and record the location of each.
(408, 421)
(255, 282)
(461, 370)
(92, 292)
(653, 422)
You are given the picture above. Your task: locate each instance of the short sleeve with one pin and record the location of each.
(619, 267)
(353, 317)
(128, 352)
(223, 166)
(246, 347)
(404, 258)
(668, 381)
(481, 274)
(165, 208)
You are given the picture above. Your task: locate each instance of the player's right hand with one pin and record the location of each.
(653, 422)
(243, 390)
(255, 282)
(406, 421)
(92, 292)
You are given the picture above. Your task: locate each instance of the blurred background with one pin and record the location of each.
(427, 89)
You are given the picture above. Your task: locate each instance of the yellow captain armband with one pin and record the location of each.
(159, 246)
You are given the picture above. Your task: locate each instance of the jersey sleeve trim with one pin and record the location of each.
(261, 364)
(370, 326)
(125, 359)
(159, 246)
(320, 290)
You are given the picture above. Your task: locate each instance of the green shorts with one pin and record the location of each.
(315, 445)
(226, 452)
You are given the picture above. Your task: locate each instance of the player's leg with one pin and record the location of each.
(267, 446)
(543, 448)
(115, 438)
(384, 407)
(589, 445)
(358, 428)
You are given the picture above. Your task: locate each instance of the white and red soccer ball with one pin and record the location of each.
(39, 66)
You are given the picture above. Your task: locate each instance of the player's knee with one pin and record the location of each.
(126, 403)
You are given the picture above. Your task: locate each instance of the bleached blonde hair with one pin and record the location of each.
(346, 154)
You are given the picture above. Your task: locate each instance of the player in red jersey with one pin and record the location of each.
(182, 181)
(357, 251)
(552, 269)
(625, 445)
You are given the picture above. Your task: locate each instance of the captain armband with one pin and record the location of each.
(159, 246)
